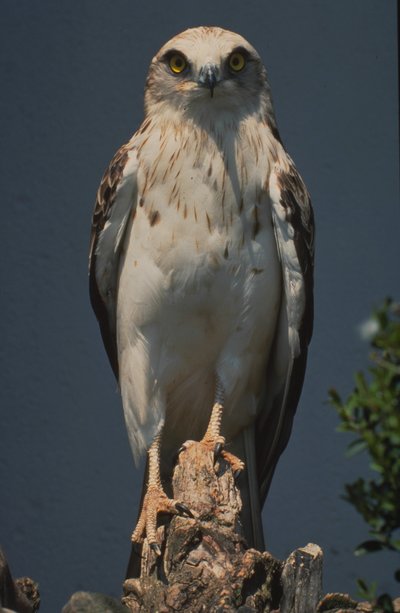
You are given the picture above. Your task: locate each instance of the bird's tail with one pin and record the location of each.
(244, 447)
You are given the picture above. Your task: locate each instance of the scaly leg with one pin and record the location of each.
(155, 501)
(212, 438)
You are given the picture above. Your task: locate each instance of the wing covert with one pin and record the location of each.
(116, 199)
(293, 222)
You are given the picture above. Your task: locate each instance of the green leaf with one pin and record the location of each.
(366, 591)
(368, 547)
(372, 413)
(355, 447)
(385, 603)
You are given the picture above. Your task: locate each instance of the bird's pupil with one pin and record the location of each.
(178, 62)
(235, 61)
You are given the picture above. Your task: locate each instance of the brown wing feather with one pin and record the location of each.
(275, 419)
(105, 201)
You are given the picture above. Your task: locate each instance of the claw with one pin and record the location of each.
(156, 548)
(237, 473)
(217, 449)
(178, 453)
(182, 508)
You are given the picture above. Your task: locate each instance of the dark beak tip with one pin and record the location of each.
(209, 77)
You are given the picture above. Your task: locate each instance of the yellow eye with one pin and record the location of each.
(237, 61)
(177, 63)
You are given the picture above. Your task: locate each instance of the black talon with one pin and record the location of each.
(156, 548)
(177, 454)
(237, 473)
(182, 508)
(217, 449)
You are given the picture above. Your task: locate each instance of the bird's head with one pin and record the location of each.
(205, 71)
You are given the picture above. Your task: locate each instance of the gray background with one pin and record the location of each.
(72, 78)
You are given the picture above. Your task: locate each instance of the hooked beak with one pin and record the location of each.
(209, 77)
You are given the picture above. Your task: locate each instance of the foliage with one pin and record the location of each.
(372, 414)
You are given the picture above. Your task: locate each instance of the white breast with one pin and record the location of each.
(200, 284)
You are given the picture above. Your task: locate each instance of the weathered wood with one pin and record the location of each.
(92, 602)
(343, 603)
(21, 595)
(205, 564)
(301, 580)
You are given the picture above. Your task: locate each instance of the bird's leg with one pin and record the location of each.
(155, 501)
(213, 439)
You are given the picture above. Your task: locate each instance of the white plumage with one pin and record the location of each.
(202, 258)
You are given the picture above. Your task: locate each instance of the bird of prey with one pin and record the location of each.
(201, 271)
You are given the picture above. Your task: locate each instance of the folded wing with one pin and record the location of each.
(115, 203)
(293, 222)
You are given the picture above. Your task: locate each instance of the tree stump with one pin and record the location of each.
(301, 580)
(205, 564)
(21, 595)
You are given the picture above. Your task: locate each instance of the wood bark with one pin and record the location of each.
(205, 564)
(19, 595)
(301, 580)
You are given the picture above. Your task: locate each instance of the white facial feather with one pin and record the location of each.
(175, 96)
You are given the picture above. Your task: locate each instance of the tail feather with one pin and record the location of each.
(244, 447)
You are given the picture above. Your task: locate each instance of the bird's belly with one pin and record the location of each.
(204, 309)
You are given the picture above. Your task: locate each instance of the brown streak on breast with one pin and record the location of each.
(184, 211)
(223, 180)
(142, 144)
(145, 125)
(208, 222)
(174, 157)
(154, 218)
(145, 183)
(256, 226)
(152, 175)
(165, 174)
(195, 213)
(174, 193)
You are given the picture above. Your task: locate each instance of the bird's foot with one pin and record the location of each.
(216, 445)
(155, 502)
